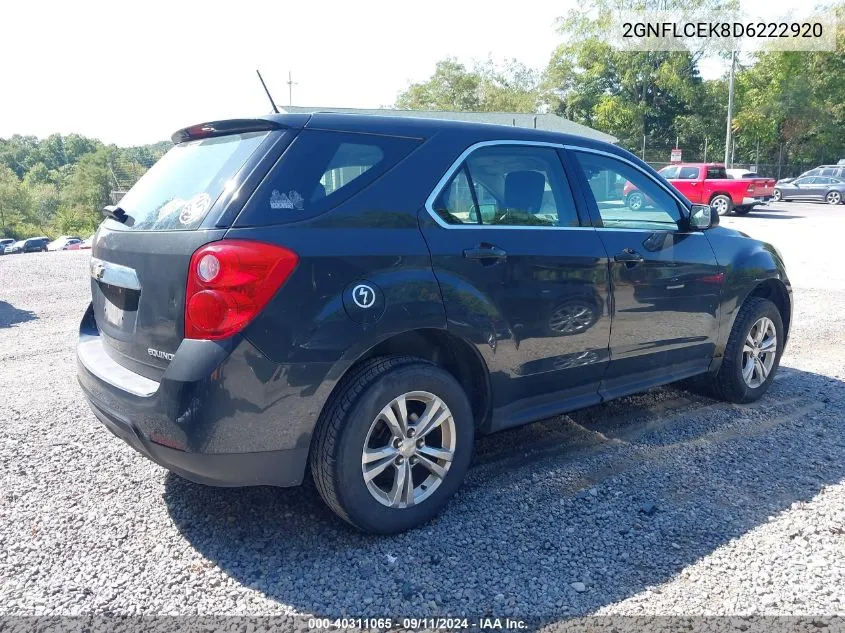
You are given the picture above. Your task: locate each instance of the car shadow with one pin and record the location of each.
(774, 214)
(10, 315)
(620, 496)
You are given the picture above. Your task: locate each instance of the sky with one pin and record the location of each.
(133, 72)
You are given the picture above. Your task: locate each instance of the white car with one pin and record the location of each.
(739, 174)
(62, 242)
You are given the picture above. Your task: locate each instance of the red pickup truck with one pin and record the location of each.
(708, 183)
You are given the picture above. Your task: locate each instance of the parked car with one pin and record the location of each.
(6, 241)
(32, 245)
(708, 183)
(62, 242)
(356, 311)
(831, 190)
(739, 174)
(832, 171)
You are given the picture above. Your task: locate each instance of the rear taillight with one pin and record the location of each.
(229, 282)
(751, 188)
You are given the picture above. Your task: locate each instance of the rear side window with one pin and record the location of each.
(320, 170)
(179, 190)
(716, 173)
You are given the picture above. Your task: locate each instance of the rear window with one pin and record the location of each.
(320, 170)
(179, 190)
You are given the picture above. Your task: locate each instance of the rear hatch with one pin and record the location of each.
(139, 266)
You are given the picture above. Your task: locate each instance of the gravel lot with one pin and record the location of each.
(661, 503)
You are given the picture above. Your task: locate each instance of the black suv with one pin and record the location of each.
(363, 295)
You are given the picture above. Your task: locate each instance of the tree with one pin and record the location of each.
(794, 99)
(89, 187)
(487, 87)
(625, 93)
(14, 203)
(451, 87)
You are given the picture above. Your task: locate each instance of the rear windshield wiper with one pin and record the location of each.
(115, 213)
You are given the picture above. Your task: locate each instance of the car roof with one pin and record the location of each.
(409, 126)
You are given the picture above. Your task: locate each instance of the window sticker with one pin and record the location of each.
(169, 208)
(195, 208)
(289, 200)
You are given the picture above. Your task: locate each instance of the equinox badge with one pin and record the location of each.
(157, 353)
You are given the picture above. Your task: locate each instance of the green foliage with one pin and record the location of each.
(487, 87)
(788, 105)
(60, 184)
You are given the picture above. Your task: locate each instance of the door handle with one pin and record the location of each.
(485, 251)
(628, 256)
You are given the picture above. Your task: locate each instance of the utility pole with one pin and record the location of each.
(291, 83)
(643, 147)
(730, 109)
(705, 149)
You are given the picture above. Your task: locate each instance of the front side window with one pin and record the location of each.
(642, 204)
(510, 185)
(669, 172)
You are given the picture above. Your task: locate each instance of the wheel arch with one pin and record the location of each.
(721, 193)
(775, 291)
(446, 350)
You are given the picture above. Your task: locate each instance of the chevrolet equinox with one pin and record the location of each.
(360, 296)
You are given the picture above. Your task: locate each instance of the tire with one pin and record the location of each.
(833, 197)
(777, 196)
(723, 204)
(352, 422)
(728, 383)
(742, 210)
(635, 201)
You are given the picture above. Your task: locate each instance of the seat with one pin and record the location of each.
(524, 191)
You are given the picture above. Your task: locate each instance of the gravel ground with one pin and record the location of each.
(661, 503)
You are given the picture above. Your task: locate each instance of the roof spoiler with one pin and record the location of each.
(223, 128)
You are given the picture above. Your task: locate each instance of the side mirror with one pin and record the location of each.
(702, 217)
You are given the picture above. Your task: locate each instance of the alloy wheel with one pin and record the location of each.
(721, 205)
(776, 195)
(635, 201)
(408, 449)
(758, 352)
(833, 197)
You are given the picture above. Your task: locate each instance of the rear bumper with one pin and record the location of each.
(750, 202)
(272, 468)
(220, 415)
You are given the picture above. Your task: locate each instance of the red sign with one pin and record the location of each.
(676, 155)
